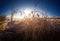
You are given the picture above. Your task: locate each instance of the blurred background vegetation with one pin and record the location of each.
(2, 22)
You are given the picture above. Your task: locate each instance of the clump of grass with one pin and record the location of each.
(32, 30)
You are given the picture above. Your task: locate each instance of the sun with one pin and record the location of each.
(26, 14)
(27, 11)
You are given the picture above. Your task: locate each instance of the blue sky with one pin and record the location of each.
(50, 6)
